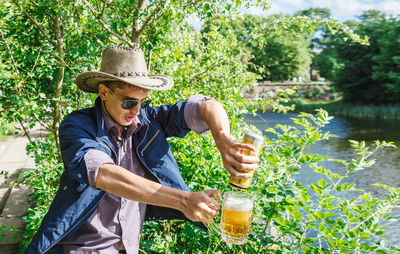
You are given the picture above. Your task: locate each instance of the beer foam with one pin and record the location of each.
(238, 204)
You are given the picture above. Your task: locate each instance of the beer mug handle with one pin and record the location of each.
(214, 227)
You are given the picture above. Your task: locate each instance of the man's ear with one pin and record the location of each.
(103, 90)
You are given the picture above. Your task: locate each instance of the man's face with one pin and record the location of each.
(113, 100)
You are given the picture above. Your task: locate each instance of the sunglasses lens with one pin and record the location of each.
(128, 104)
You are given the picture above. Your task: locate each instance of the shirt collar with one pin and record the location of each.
(111, 128)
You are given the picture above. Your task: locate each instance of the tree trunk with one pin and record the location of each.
(60, 78)
(137, 28)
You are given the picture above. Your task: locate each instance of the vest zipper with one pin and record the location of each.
(151, 140)
(140, 158)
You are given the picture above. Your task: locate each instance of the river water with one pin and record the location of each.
(386, 169)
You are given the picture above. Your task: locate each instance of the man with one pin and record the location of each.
(119, 169)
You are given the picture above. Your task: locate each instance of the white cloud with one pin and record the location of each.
(340, 9)
(350, 9)
(391, 7)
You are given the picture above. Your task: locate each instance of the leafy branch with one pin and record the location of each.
(191, 3)
(9, 51)
(36, 24)
(98, 18)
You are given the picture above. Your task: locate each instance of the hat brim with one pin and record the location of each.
(89, 81)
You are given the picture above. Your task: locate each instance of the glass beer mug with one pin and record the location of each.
(237, 212)
(257, 142)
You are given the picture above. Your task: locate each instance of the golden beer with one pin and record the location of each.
(236, 217)
(257, 142)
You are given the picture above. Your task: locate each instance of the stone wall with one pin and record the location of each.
(309, 90)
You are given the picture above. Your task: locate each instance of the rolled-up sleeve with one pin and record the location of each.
(192, 113)
(93, 160)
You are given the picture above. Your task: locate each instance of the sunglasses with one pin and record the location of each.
(131, 103)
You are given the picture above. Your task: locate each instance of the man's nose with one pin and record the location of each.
(136, 109)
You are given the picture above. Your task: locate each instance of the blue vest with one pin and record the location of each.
(84, 130)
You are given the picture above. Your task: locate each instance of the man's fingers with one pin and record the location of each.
(242, 166)
(239, 174)
(244, 146)
(235, 156)
(246, 159)
(240, 170)
(206, 210)
(214, 205)
(214, 193)
(205, 219)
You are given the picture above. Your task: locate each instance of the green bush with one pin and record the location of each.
(6, 129)
(285, 210)
(44, 180)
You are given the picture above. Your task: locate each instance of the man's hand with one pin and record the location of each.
(217, 120)
(199, 206)
(233, 160)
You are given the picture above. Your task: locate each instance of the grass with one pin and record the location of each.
(338, 107)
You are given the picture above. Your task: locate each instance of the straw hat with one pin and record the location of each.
(126, 65)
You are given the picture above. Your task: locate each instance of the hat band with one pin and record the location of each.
(128, 74)
(85, 79)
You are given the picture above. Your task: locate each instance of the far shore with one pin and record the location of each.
(339, 107)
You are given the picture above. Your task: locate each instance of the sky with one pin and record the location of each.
(341, 10)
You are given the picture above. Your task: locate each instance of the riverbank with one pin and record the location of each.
(345, 109)
(309, 96)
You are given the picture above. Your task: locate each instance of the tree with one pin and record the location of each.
(283, 56)
(370, 73)
(326, 59)
(387, 69)
(317, 38)
(274, 55)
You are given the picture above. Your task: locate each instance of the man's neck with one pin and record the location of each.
(122, 129)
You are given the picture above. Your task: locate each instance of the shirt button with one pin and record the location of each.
(79, 175)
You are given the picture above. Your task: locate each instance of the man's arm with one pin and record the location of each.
(217, 120)
(197, 206)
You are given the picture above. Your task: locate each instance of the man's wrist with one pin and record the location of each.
(174, 198)
(183, 204)
(220, 135)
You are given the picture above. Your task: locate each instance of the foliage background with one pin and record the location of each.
(45, 44)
